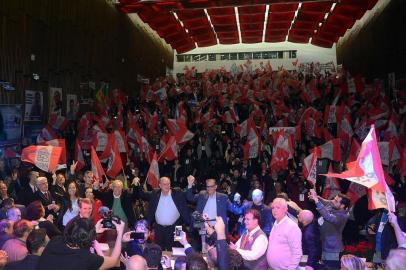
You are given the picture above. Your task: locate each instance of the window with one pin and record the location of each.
(257, 55)
(181, 58)
(241, 56)
(196, 57)
(212, 57)
(188, 58)
(224, 56)
(280, 55)
(293, 54)
(247, 55)
(265, 55)
(233, 56)
(273, 55)
(203, 57)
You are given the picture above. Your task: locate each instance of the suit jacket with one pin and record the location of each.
(28, 263)
(126, 199)
(26, 195)
(222, 202)
(153, 198)
(311, 244)
(45, 202)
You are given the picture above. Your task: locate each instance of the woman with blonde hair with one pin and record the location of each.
(351, 262)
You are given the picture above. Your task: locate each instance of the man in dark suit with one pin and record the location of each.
(36, 242)
(211, 202)
(311, 243)
(167, 208)
(119, 201)
(45, 197)
(27, 193)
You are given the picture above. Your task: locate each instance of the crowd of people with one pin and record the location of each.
(228, 151)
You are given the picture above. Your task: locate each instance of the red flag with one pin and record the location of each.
(97, 168)
(331, 186)
(367, 170)
(242, 129)
(115, 165)
(309, 167)
(279, 160)
(46, 134)
(229, 117)
(58, 122)
(333, 114)
(355, 191)
(44, 157)
(9, 153)
(79, 156)
(330, 150)
(170, 152)
(58, 143)
(253, 144)
(153, 172)
(388, 151)
(121, 141)
(179, 130)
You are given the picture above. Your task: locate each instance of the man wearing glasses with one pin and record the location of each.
(210, 202)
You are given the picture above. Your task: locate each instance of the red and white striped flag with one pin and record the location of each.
(121, 141)
(354, 150)
(115, 165)
(331, 186)
(389, 151)
(310, 167)
(79, 156)
(58, 143)
(170, 152)
(333, 114)
(44, 157)
(229, 117)
(46, 134)
(179, 129)
(153, 173)
(356, 191)
(367, 170)
(330, 150)
(97, 168)
(253, 145)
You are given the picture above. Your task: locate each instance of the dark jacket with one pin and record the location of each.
(222, 202)
(126, 199)
(28, 263)
(311, 244)
(26, 196)
(153, 198)
(332, 228)
(39, 196)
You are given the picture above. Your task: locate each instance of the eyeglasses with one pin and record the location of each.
(213, 186)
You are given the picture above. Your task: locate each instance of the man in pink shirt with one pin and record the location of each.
(285, 240)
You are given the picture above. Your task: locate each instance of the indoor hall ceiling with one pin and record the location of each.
(186, 24)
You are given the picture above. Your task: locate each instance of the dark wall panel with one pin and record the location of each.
(74, 41)
(380, 47)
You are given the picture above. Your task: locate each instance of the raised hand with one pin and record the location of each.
(190, 180)
(73, 167)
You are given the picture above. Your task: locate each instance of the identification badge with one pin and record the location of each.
(381, 226)
(320, 220)
(301, 197)
(187, 161)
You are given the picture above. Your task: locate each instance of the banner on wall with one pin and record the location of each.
(72, 106)
(34, 105)
(10, 124)
(55, 101)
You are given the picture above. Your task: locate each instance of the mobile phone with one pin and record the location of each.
(137, 235)
(178, 230)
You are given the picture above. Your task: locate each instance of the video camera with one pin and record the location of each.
(198, 222)
(108, 218)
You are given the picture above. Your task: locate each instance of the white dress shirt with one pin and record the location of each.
(258, 247)
(166, 211)
(211, 208)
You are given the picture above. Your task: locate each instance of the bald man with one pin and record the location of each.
(285, 240)
(311, 242)
(167, 208)
(136, 262)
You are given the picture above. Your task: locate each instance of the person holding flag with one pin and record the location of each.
(334, 216)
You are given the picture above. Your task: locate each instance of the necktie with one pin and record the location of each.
(245, 240)
(46, 196)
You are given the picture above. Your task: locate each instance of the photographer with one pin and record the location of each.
(72, 251)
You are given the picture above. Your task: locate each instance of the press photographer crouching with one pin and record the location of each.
(73, 250)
